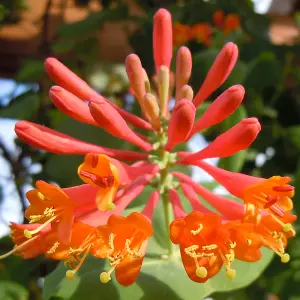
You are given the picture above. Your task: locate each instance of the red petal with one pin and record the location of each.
(109, 119)
(181, 123)
(47, 139)
(237, 138)
(162, 38)
(64, 77)
(218, 72)
(221, 108)
(176, 203)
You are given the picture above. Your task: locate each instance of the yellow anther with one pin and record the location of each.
(53, 248)
(201, 272)
(287, 227)
(232, 245)
(111, 241)
(27, 234)
(249, 242)
(110, 206)
(105, 277)
(70, 275)
(285, 258)
(230, 273)
(136, 254)
(41, 196)
(209, 247)
(195, 232)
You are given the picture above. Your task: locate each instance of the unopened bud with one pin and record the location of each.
(152, 110)
(186, 92)
(163, 77)
(147, 82)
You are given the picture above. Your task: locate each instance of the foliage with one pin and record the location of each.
(271, 77)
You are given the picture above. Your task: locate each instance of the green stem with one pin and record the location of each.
(167, 214)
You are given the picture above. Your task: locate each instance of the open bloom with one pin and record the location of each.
(70, 223)
(227, 23)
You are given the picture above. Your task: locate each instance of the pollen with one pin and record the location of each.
(209, 247)
(70, 274)
(201, 272)
(285, 258)
(110, 206)
(105, 277)
(195, 232)
(287, 227)
(27, 234)
(41, 196)
(231, 273)
(53, 248)
(249, 242)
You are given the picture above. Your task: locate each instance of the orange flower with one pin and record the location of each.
(97, 170)
(28, 248)
(218, 18)
(272, 195)
(123, 242)
(231, 23)
(181, 34)
(246, 240)
(272, 233)
(205, 245)
(50, 204)
(202, 33)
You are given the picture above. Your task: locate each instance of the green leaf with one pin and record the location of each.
(93, 22)
(234, 162)
(32, 70)
(160, 277)
(293, 134)
(263, 72)
(21, 107)
(12, 291)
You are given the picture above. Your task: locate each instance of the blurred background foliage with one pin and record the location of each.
(269, 72)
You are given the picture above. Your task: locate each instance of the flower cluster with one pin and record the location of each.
(203, 32)
(70, 223)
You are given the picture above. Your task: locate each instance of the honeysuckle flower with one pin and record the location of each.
(227, 23)
(182, 34)
(202, 33)
(73, 222)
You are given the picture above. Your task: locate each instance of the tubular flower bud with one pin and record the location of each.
(108, 118)
(151, 110)
(183, 69)
(162, 38)
(237, 138)
(183, 114)
(221, 108)
(186, 92)
(218, 72)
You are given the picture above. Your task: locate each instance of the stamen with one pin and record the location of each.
(29, 233)
(48, 212)
(277, 210)
(94, 160)
(70, 274)
(201, 272)
(105, 276)
(110, 206)
(271, 200)
(41, 196)
(287, 227)
(209, 247)
(102, 181)
(231, 273)
(283, 188)
(17, 248)
(249, 242)
(195, 232)
(53, 248)
(136, 254)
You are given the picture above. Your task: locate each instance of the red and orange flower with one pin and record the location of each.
(70, 223)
